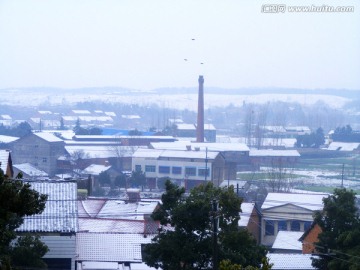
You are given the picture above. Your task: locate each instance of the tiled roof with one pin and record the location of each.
(288, 240)
(246, 210)
(60, 214)
(290, 261)
(182, 145)
(110, 247)
(100, 225)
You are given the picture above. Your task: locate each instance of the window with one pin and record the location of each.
(44, 159)
(269, 227)
(176, 170)
(36, 146)
(190, 171)
(164, 169)
(150, 168)
(295, 225)
(138, 168)
(203, 171)
(307, 225)
(282, 225)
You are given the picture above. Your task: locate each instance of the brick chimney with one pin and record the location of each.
(200, 115)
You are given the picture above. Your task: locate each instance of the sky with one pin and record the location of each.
(148, 44)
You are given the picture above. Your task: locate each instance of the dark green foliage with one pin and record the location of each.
(189, 245)
(83, 131)
(313, 140)
(345, 134)
(161, 182)
(104, 179)
(339, 242)
(20, 130)
(28, 251)
(120, 180)
(17, 200)
(137, 179)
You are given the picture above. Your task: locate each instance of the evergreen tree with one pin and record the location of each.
(189, 244)
(339, 241)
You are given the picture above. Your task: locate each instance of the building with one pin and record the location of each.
(6, 163)
(287, 212)
(310, 238)
(29, 171)
(274, 158)
(40, 149)
(189, 131)
(290, 261)
(188, 168)
(250, 219)
(57, 224)
(287, 242)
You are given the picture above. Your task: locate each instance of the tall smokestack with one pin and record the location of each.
(200, 115)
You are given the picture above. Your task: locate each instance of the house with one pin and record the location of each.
(310, 238)
(40, 149)
(112, 232)
(288, 212)
(290, 261)
(6, 163)
(250, 219)
(29, 171)
(188, 168)
(57, 224)
(189, 131)
(273, 158)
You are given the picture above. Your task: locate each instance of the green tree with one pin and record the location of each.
(17, 200)
(138, 178)
(120, 180)
(104, 178)
(339, 241)
(189, 244)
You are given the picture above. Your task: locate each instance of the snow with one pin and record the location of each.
(182, 145)
(7, 139)
(6, 117)
(290, 261)
(288, 240)
(48, 137)
(30, 170)
(343, 146)
(95, 169)
(60, 214)
(246, 211)
(308, 201)
(274, 153)
(101, 151)
(4, 159)
(81, 111)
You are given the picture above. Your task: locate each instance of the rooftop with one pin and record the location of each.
(288, 240)
(308, 201)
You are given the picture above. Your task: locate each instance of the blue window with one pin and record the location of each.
(164, 169)
(295, 225)
(307, 225)
(282, 225)
(190, 171)
(269, 227)
(150, 168)
(176, 170)
(203, 171)
(138, 168)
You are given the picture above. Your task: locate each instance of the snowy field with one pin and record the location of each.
(179, 101)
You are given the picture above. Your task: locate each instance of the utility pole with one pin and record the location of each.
(342, 176)
(215, 232)
(206, 163)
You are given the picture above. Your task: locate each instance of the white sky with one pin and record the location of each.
(142, 44)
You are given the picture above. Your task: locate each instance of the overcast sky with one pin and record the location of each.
(142, 44)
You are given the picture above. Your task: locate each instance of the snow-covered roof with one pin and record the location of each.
(7, 139)
(298, 129)
(95, 169)
(130, 116)
(49, 137)
(275, 128)
(60, 214)
(158, 154)
(234, 183)
(183, 126)
(308, 201)
(81, 111)
(4, 160)
(288, 240)
(101, 151)
(101, 225)
(343, 146)
(110, 247)
(246, 210)
(290, 261)
(6, 117)
(110, 113)
(182, 145)
(44, 112)
(273, 153)
(30, 170)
